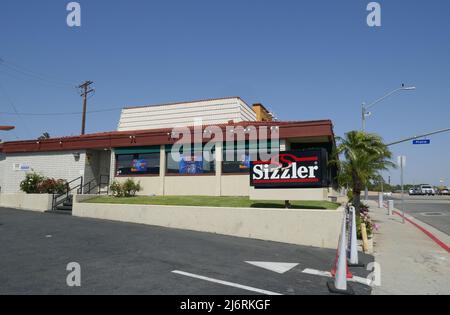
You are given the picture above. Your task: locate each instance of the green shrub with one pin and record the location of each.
(129, 188)
(30, 184)
(116, 189)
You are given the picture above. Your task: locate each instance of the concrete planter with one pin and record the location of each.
(318, 228)
(32, 202)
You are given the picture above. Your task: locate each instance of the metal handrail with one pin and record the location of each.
(66, 194)
(99, 185)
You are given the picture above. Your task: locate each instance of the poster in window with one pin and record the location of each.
(244, 162)
(191, 164)
(139, 166)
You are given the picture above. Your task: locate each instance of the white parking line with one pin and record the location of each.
(328, 274)
(230, 284)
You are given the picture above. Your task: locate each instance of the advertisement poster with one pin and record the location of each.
(139, 166)
(245, 162)
(191, 164)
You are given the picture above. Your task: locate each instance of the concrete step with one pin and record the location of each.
(63, 212)
(64, 208)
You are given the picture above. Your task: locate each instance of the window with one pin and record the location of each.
(193, 163)
(239, 164)
(239, 161)
(137, 164)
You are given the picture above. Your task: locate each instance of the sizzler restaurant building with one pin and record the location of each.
(142, 147)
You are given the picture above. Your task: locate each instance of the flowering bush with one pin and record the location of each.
(364, 217)
(52, 186)
(31, 182)
(364, 209)
(38, 184)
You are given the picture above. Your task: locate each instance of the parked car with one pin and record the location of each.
(427, 190)
(415, 191)
(444, 192)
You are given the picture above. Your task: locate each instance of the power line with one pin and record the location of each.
(34, 75)
(11, 103)
(62, 114)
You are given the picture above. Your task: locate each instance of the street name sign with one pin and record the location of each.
(422, 141)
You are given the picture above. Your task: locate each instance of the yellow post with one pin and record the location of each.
(364, 238)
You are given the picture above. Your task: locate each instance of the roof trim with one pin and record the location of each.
(189, 102)
(121, 139)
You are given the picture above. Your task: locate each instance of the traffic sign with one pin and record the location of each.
(427, 141)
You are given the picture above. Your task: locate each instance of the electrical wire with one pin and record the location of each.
(61, 114)
(34, 75)
(16, 112)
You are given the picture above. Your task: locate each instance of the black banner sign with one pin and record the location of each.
(294, 169)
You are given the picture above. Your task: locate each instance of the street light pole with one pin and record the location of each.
(365, 113)
(365, 108)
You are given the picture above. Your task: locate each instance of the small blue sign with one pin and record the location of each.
(422, 142)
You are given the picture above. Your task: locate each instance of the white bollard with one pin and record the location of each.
(354, 259)
(380, 201)
(340, 281)
(391, 207)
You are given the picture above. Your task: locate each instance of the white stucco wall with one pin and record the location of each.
(2, 175)
(58, 165)
(211, 112)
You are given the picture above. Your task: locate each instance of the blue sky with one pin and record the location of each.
(304, 59)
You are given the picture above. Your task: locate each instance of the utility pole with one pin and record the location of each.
(85, 90)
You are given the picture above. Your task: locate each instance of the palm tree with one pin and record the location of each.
(365, 155)
(44, 136)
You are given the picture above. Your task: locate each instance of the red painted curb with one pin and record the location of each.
(429, 234)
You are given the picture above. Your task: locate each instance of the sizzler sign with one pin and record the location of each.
(295, 169)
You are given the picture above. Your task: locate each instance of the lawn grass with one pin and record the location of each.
(207, 201)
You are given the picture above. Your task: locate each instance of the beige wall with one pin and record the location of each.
(289, 194)
(150, 185)
(190, 185)
(235, 185)
(318, 228)
(32, 202)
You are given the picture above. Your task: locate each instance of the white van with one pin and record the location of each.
(427, 190)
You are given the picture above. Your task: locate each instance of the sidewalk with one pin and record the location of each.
(411, 263)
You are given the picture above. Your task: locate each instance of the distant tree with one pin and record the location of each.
(44, 136)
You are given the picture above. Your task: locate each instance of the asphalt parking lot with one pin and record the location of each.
(122, 258)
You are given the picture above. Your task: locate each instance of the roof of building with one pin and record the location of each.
(189, 102)
(149, 137)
